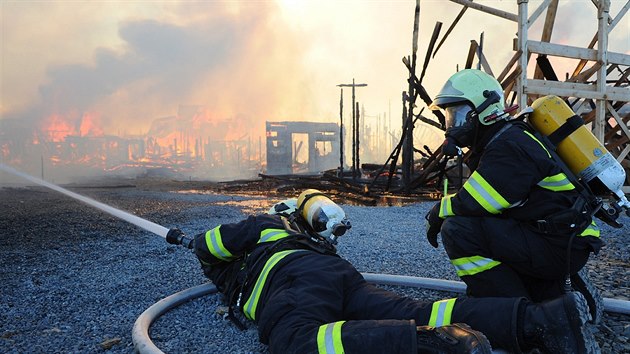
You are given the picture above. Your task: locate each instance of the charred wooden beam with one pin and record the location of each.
(451, 27)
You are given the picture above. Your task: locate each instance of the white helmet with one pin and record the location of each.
(285, 207)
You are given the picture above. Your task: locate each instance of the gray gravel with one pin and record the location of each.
(75, 279)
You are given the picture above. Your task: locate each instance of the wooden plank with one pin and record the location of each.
(509, 65)
(613, 136)
(578, 109)
(511, 79)
(620, 15)
(471, 54)
(546, 33)
(586, 74)
(450, 29)
(522, 37)
(487, 9)
(545, 68)
(570, 89)
(567, 51)
(537, 12)
(623, 78)
(484, 63)
(622, 125)
(564, 51)
(622, 156)
(582, 62)
(611, 26)
(427, 57)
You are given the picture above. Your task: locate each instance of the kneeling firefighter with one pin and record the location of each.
(281, 270)
(522, 224)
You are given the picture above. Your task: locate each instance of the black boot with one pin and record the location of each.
(582, 283)
(457, 338)
(558, 326)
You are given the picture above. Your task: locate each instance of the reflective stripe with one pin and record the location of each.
(473, 265)
(557, 183)
(215, 245)
(441, 312)
(591, 230)
(249, 309)
(446, 207)
(272, 235)
(329, 338)
(538, 141)
(484, 194)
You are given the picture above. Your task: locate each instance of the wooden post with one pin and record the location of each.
(341, 134)
(407, 151)
(356, 134)
(602, 57)
(547, 31)
(521, 88)
(354, 127)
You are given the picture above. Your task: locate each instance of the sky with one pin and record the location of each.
(127, 63)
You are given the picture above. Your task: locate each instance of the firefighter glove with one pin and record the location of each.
(433, 224)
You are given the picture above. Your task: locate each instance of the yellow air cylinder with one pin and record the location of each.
(585, 156)
(321, 213)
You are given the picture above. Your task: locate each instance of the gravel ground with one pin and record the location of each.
(74, 279)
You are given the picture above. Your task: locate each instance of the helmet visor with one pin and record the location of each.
(456, 115)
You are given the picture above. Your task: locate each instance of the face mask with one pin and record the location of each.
(456, 116)
(461, 130)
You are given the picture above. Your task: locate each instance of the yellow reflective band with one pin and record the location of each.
(329, 338)
(538, 141)
(446, 207)
(484, 194)
(215, 244)
(272, 235)
(473, 265)
(249, 309)
(441, 312)
(591, 230)
(557, 183)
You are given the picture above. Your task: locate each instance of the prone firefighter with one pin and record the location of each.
(520, 225)
(281, 270)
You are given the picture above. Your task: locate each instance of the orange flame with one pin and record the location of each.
(89, 125)
(56, 128)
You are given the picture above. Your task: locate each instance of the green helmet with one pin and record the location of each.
(470, 87)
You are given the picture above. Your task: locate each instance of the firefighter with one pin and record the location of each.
(281, 270)
(518, 226)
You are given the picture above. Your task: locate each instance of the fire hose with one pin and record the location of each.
(140, 333)
(143, 344)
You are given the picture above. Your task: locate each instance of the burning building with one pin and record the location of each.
(190, 143)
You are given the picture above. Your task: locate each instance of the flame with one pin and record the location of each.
(193, 140)
(89, 125)
(55, 128)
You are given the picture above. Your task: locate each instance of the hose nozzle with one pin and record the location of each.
(175, 236)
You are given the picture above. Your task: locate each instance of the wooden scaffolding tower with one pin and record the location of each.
(598, 89)
(600, 79)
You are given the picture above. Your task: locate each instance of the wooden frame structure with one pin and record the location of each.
(586, 87)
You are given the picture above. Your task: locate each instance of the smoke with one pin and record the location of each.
(232, 61)
(208, 70)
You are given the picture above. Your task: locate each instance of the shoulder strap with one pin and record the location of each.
(594, 202)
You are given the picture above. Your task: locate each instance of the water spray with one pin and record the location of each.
(173, 236)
